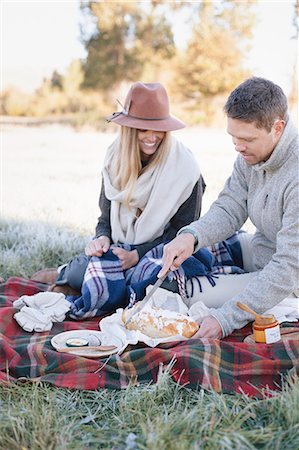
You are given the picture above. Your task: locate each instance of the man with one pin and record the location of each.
(263, 186)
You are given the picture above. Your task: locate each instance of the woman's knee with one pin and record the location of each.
(73, 273)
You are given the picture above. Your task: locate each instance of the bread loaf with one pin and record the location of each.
(160, 323)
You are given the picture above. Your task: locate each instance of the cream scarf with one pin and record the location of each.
(159, 192)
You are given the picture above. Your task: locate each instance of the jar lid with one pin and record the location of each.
(267, 319)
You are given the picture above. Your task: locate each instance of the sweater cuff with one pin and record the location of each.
(190, 231)
(103, 233)
(225, 326)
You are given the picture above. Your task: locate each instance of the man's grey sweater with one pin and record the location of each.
(267, 193)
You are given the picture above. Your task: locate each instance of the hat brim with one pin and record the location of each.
(171, 123)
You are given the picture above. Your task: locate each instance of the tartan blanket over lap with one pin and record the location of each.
(107, 287)
(224, 366)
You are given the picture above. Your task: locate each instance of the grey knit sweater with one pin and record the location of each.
(267, 193)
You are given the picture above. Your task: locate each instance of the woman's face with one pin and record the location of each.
(149, 141)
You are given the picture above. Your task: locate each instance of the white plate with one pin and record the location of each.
(94, 338)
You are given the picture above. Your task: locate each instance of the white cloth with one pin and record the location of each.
(31, 319)
(198, 311)
(38, 312)
(161, 299)
(169, 184)
(286, 311)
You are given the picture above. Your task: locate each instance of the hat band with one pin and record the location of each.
(146, 118)
(124, 113)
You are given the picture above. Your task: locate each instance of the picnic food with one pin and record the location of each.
(77, 342)
(161, 323)
(266, 329)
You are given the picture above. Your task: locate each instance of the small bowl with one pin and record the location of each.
(77, 342)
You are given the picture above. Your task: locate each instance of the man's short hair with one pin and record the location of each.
(257, 100)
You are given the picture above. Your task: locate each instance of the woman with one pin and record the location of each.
(151, 185)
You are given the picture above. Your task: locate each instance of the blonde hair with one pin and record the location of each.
(127, 166)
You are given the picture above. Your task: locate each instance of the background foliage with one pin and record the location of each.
(130, 41)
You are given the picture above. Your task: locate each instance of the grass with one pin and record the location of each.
(49, 195)
(30, 246)
(163, 416)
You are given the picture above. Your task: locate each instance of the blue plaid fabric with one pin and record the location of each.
(107, 287)
(103, 289)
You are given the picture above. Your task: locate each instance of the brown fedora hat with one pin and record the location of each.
(147, 108)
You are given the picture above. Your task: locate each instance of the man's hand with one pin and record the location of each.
(98, 246)
(209, 328)
(127, 259)
(176, 252)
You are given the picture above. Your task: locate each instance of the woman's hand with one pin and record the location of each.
(209, 328)
(98, 246)
(127, 258)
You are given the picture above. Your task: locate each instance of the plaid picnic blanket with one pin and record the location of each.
(107, 287)
(227, 366)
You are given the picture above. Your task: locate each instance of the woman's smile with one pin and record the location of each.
(149, 141)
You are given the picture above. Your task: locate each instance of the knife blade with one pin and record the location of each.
(143, 302)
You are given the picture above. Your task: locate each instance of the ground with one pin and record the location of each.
(53, 173)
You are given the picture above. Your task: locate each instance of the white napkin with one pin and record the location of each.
(38, 312)
(286, 311)
(198, 311)
(31, 319)
(161, 299)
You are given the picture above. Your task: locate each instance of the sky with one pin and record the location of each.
(38, 37)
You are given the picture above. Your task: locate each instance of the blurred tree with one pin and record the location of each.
(154, 41)
(14, 102)
(48, 100)
(125, 38)
(71, 84)
(109, 56)
(56, 80)
(212, 63)
(73, 78)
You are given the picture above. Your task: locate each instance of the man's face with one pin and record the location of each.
(254, 144)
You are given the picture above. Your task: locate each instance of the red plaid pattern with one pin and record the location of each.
(228, 365)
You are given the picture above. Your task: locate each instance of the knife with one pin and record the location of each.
(148, 296)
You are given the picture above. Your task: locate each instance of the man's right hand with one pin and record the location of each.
(98, 246)
(176, 252)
